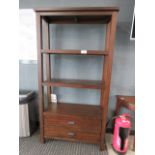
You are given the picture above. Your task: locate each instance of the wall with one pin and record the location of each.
(123, 73)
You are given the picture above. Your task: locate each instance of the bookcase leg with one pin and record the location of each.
(42, 139)
(102, 146)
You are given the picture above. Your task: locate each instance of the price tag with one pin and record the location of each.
(53, 98)
(83, 51)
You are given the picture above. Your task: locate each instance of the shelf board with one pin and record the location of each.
(75, 52)
(68, 9)
(87, 84)
(81, 110)
(104, 13)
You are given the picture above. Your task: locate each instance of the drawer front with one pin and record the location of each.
(63, 133)
(73, 122)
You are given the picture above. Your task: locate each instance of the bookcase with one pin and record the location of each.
(74, 122)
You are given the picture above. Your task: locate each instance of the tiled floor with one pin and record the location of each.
(110, 149)
(32, 146)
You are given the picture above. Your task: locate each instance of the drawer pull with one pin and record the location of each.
(71, 122)
(71, 133)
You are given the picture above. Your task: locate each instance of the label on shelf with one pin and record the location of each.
(53, 98)
(83, 51)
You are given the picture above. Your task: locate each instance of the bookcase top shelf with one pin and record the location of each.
(66, 9)
(84, 15)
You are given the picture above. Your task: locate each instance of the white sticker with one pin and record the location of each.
(83, 51)
(53, 98)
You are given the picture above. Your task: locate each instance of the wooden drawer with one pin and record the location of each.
(73, 122)
(68, 134)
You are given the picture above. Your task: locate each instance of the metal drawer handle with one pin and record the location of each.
(71, 133)
(71, 122)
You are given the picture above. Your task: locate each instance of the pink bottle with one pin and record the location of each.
(121, 133)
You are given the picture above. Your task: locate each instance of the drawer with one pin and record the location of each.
(73, 122)
(68, 134)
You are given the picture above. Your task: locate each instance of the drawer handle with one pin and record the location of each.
(71, 133)
(71, 122)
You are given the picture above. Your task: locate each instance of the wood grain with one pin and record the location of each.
(73, 109)
(84, 9)
(87, 84)
(107, 70)
(61, 132)
(73, 122)
(75, 52)
(40, 73)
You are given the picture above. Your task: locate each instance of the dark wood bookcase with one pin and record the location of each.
(75, 122)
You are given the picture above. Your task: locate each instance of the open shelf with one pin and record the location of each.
(82, 110)
(78, 19)
(75, 52)
(87, 84)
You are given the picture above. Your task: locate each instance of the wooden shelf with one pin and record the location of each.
(75, 52)
(77, 15)
(88, 84)
(80, 110)
(69, 9)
